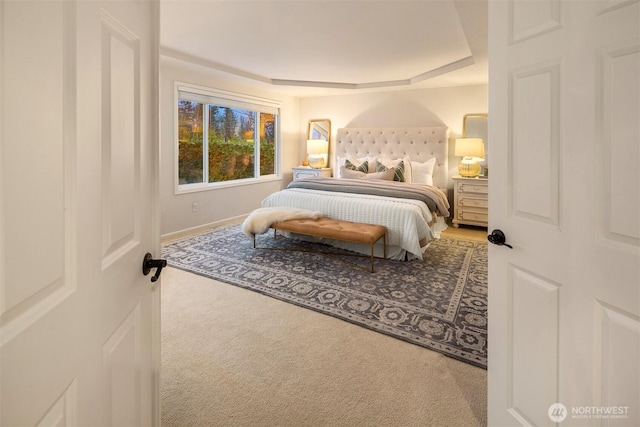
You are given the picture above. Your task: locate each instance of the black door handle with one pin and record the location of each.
(148, 263)
(497, 237)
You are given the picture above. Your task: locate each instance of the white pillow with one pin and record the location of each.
(422, 173)
(390, 164)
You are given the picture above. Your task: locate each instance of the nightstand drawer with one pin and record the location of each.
(473, 216)
(468, 187)
(304, 172)
(473, 202)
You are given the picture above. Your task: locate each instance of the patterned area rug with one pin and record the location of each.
(439, 303)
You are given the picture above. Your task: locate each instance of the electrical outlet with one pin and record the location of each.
(194, 207)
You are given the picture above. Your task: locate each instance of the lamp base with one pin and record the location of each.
(317, 161)
(469, 168)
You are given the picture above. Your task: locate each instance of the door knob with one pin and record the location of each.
(497, 237)
(148, 263)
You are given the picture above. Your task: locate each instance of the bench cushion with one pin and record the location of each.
(333, 229)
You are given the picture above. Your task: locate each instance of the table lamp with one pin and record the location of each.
(471, 150)
(318, 153)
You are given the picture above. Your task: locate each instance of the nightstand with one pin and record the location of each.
(471, 201)
(305, 172)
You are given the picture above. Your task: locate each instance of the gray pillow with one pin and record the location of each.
(398, 171)
(364, 167)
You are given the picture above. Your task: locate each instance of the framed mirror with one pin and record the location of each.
(318, 136)
(476, 126)
(319, 129)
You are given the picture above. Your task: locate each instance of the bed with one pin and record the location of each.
(419, 154)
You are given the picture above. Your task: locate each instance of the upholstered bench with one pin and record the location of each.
(336, 229)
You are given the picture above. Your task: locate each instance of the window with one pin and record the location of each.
(224, 137)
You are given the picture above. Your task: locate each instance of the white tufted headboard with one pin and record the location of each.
(420, 144)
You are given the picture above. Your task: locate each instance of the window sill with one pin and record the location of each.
(194, 188)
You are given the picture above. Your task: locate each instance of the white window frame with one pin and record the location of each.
(221, 98)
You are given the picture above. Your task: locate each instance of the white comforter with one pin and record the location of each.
(407, 221)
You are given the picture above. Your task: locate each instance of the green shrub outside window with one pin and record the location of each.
(240, 143)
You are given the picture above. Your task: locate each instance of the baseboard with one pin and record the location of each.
(200, 228)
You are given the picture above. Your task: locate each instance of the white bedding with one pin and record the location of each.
(407, 221)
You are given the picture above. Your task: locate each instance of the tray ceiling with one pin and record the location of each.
(332, 44)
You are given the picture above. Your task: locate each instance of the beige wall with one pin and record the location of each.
(406, 107)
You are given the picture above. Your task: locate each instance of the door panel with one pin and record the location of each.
(78, 320)
(121, 380)
(34, 175)
(533, 345)
(531, 19)
(617, 353)
(120, 140)
(535, 142)
(618, 150)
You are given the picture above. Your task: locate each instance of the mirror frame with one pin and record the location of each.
(310, 129)
(484, 135)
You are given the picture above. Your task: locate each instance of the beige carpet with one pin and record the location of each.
(232, 357)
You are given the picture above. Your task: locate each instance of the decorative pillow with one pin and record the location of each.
(355, 161)
(422, 173)
(398, 171)
(363, 167)
(350, 173)
(390, 164)
(380, 176)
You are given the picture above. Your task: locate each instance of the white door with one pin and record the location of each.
(564, 303)
(79, 323)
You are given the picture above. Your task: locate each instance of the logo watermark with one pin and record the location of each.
(558, 412)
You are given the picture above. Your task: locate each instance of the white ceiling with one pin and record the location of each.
(314, 47)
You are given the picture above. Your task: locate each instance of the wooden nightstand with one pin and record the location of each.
(305, 172)
(471, 201)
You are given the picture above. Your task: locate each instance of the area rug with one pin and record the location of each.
(439, 302)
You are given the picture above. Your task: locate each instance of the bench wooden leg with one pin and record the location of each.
(385, 245)
(384, 249)
(372, 257)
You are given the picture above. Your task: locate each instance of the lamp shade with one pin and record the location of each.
(469, 147)
(317, 146)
